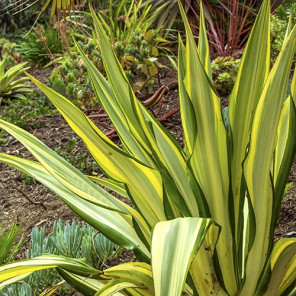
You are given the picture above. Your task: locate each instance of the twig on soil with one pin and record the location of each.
(39, 117)
(30, 200)
(41, 222)
(38, 203)
(167, 115)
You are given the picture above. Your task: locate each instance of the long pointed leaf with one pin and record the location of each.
(259, 160)
(203, 44)
(25, 267)
(110, 184)
(174, 245)
(150, 134)
(86, 285)
(115, 226)
(62, 170)
(107, 100)
(138, 178)
(283, 268)
(120, 87)
(284, 152)
(136, 273)
(186, 108)
(113, 287)
(209, 159)
(252, 74)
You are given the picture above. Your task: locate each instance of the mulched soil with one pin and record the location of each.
(15, 204)
(37, 206)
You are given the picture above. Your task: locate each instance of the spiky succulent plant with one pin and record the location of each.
(11, 85)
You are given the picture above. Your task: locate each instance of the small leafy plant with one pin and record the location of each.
(285, 10)
(41, 46)
(70, 79)
(9, 248)
(77, 240)
(25, 112)
(278, 28)
(283, 18)
(139, 58)
(224, 71)
(137, 45)
(40, 244)
(7, 49)
(78, 160)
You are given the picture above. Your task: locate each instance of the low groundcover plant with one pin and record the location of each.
(204, 216)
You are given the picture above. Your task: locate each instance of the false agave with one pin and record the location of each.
(204, 215)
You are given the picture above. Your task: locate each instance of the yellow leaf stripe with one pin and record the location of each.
(114, 225)
(144, 183)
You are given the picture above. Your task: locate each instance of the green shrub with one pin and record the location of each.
(278, 26)
(224, 72)
(24, 113)
(137, 45)
(139, 57)
(40, 46)
(71, 80)
(284, 11)
(7, 49)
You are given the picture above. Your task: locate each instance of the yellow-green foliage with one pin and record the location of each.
(11, 86)
(204, 215)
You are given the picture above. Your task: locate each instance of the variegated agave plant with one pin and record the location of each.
(204, 216)
(11, 86)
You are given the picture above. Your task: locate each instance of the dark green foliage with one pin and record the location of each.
(40, 46)
(78, 160)
(24, 113)
(9, 248)
(71, 80)
(19, 16)
(278, 26)
(27, 179)
(283, 11)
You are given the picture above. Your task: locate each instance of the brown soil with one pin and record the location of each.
(15, 204)
(37, 206)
